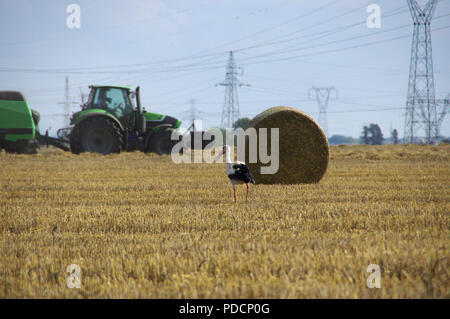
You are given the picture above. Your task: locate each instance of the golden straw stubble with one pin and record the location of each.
(303, 147)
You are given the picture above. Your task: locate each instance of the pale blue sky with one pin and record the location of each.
(177, 50)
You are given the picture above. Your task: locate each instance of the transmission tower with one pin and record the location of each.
(230, 112)
(420, 102)
(67, 103)
(322, 97)
(82, 96)
(443, 105)
(192, 115)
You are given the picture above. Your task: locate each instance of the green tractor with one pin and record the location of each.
(109, 123)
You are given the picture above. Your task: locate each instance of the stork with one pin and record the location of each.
(237, 172)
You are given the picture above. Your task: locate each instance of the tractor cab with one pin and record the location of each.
(115, 100)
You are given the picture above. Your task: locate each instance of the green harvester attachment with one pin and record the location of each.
(17, 123)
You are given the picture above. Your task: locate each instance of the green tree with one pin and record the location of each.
(394, 136)
(376, 136)
(365, 135)
(372, 135)
(242, 122)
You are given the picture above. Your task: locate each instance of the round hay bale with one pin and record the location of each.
(303, 147)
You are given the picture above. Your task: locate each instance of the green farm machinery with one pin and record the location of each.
(107, 123)
(19, 131)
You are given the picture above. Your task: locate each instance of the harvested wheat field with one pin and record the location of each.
(140, 226)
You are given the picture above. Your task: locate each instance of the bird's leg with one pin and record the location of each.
(246, 194)
(234, 192)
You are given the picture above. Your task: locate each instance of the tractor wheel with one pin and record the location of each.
(161, 143)
(96, 135)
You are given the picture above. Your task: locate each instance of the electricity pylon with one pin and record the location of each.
(322, 97)
(192, 115)
(444, 106)
(230, 111)
(420, 102)
(67, 104)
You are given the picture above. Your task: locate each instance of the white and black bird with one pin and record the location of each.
(237, 172)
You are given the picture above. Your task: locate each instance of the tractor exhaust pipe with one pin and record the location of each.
(138, 99)
(140, 119)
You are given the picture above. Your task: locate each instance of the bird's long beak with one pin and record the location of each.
(218, 156)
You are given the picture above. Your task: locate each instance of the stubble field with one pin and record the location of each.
(140, 226)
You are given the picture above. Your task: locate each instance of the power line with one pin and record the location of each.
(321, 34)
(101, 70)
(265, 30)
(340, 49)
(198, 55)
(205, 63)
(284, 51)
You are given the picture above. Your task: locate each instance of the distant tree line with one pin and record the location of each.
(341, 139)
(371, 135)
